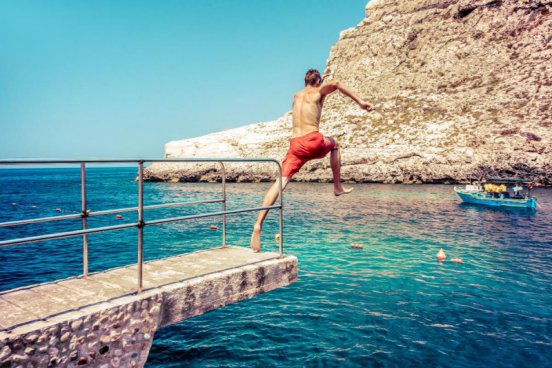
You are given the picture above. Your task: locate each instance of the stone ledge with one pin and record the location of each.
(120, 332)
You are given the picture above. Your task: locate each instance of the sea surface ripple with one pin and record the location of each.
(389, 304)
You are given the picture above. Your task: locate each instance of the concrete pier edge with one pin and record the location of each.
(120, 332)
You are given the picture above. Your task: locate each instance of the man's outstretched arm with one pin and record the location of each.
(332, 86)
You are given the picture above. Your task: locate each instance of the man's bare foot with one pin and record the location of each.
(342, 190)
(256, 239)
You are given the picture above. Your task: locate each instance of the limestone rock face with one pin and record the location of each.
(461, 88)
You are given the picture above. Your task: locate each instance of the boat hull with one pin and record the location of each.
(481, 199)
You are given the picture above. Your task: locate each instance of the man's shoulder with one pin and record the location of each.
(310, 94)
(313, 92)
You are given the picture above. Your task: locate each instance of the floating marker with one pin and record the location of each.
(58, 209)
(277, 238)
(213, 227)
(357, 246)
(456, 260)
(33, 206)
(119, 216)
(441, 256)
(14, 204)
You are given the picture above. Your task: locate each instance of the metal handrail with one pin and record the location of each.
(104, 212)
(141, 223)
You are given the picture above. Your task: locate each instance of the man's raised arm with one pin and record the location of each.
(331, 86)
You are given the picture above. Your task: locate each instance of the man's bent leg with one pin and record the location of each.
(269, 200)
(335, 162)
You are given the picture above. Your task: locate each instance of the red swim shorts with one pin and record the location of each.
(305, 148)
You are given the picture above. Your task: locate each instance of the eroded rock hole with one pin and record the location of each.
(463, 13)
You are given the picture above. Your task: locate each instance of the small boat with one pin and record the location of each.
(499, 192)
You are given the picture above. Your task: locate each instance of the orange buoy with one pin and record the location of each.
(214, 227)
(456, 260)
(357, 246)
(441, 256)
(119, 216)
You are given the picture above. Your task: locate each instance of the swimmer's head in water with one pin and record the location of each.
(313, 78)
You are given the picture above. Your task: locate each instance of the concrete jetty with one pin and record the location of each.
(100, 321)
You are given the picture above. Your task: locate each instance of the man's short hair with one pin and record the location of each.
(312, 77)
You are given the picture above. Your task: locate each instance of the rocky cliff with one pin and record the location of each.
(460, 88)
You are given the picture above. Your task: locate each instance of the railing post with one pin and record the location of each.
(281, 212)
(84, 215)
(223, 204)
(140, 222)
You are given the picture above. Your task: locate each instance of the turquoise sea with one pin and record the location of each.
(390, 304)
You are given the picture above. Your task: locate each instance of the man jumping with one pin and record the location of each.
(307, 143)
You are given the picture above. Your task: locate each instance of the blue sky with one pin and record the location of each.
(102, 79)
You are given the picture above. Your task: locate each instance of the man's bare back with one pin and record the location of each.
(306, 110)
(307, 143)
(308, 103)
